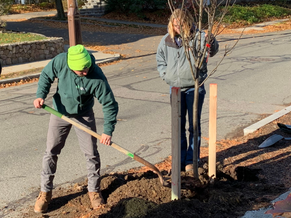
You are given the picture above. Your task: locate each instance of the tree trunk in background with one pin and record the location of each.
(60, 10)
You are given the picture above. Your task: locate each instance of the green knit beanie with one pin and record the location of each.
(78, 58)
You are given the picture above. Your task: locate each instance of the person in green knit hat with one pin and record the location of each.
(80, 80)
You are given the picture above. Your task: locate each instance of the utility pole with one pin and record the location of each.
(74, 23)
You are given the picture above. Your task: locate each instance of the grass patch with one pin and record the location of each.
(254, 14)
(19, 37)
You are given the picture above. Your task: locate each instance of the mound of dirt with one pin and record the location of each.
(142, 195)
(247, 178)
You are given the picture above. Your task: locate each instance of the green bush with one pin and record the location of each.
(254, 14)
(134, 6)
(79, 2)
(5, 5)
(155, 4)
(46, 5)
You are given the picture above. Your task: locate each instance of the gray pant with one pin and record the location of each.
(57, 134)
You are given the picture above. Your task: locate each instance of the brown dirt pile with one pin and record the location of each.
(247, 178)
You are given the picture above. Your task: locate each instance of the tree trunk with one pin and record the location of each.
(60, 10)
(195, 129)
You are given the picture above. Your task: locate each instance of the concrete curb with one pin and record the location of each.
(266, 120)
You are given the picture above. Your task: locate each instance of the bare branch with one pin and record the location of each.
(227, 51)
(171, 6)
(221, 17)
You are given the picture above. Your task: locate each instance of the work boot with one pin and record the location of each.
(189, 167)
(96, 199)
(42, 202)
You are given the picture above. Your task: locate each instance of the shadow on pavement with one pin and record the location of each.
(101, 38)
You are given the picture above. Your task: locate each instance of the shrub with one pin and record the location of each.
(134, 6)
(79, 2)
(47, 5)
(5, 5)
(254, 14)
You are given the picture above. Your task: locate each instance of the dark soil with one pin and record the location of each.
(248, 178)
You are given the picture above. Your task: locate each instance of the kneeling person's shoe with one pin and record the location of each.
(42, 202)
(96, 199)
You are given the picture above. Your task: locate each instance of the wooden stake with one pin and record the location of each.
(176, 143)
(212, 130)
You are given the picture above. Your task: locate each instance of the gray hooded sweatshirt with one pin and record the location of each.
(173, 65)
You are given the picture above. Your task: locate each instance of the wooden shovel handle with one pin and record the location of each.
(117, 147)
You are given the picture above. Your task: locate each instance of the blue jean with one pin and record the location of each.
(187, 101)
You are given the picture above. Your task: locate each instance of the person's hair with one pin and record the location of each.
(186, 20)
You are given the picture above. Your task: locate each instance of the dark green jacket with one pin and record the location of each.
(75, 94)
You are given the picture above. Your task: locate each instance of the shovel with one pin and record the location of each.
(117, 147)
(272, 140)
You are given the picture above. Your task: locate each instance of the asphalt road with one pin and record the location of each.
(253, 80)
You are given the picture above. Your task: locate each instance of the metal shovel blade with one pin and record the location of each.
(271, 140)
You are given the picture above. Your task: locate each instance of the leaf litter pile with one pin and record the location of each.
(247, 178)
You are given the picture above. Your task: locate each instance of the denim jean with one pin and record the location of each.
(187, 101)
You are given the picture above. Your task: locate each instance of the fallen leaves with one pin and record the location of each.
(21, 82)
(19, 8)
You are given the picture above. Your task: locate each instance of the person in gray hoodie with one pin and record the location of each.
(174, 69)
